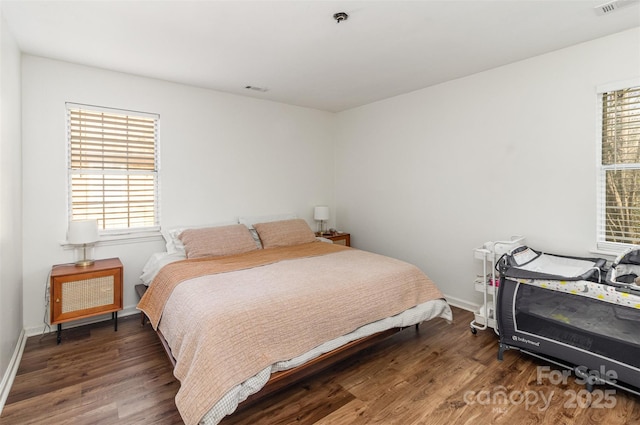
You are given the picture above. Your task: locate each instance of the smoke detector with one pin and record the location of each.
(612, 6)
(340, 16)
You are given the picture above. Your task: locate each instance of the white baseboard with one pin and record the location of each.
(463, 304)
(12, 369)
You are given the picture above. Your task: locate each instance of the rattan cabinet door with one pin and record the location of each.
(79, 292)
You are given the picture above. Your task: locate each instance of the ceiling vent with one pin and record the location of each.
(612, 6)
(255, 88)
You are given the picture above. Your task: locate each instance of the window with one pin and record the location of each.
(619, 177)
(113, 168)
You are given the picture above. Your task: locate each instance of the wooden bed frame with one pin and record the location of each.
(285, 378)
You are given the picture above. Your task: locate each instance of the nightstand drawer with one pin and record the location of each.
(340, 238)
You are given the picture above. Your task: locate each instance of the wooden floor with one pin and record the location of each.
(440, 375)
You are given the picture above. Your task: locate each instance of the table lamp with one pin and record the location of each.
(83, 232)
(321, 214)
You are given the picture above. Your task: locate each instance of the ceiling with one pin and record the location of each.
(295, 48)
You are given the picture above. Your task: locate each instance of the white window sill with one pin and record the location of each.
(119, 239)
(612, 250)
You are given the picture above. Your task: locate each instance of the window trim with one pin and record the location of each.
(132, 234)
(603, 246)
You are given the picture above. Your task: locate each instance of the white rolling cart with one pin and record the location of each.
(487, 283)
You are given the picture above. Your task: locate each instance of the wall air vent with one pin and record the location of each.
(254, 88)
(612, 6)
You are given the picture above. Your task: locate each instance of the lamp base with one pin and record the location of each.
(83, 256)
(84, 263)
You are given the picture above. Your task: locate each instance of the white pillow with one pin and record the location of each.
(156, 262)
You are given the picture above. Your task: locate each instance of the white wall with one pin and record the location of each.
(10, 201)
(430, 175)
(221, 156)
(426, 176)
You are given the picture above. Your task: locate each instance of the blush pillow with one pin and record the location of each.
(217, 241)
(284, 233)
(172, 235)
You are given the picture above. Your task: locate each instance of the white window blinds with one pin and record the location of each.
(620, 167)
(113, 168)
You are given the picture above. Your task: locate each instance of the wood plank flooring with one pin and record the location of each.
(440, 375)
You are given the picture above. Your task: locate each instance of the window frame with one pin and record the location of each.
(120, 232)
(602, 245)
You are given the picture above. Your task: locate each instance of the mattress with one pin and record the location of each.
(560, 266)
(524, 262)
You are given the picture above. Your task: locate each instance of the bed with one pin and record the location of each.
(244, 306)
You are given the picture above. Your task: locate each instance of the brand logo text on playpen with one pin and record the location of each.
(500, 399)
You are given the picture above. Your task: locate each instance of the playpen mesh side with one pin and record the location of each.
(598, 327)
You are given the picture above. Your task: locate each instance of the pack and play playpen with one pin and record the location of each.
(573, 312)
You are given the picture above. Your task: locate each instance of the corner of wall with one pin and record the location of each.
(12, 334)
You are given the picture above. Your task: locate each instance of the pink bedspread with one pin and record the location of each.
(226, 319)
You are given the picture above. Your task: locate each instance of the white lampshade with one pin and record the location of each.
(321, 212)
(82, 232)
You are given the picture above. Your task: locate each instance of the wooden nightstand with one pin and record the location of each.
(79, 292)
(340, 238)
